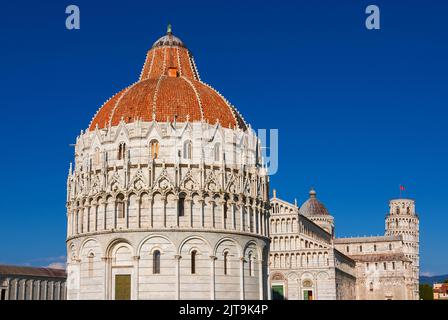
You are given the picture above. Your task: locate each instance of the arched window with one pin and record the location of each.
(408, 210)
(371, 286)
(121, 151)
(154, 149)
(217, 152)
(360, 248)
(120, 206)
(390, 246)
(156, 262)
(348, 249)
(90, 264)
(193, 262)
(181, 205)
(225, 262)
(398, 210)
(225, 209)
(188, 150)
(374, 247)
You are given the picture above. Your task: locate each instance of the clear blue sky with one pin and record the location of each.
(359, 112)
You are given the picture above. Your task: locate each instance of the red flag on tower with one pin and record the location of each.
(401, 188)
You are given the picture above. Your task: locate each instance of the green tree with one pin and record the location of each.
(446, 281)
(426, 292)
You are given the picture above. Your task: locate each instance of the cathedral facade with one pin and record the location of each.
(169, 199)
(307, 262)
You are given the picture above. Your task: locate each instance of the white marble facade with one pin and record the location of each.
(304, 265)
(181, 189)
(308, 262)
(29, 287)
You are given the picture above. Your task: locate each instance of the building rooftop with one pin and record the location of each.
(367, 239)
(379, 257)
(32, 271)
(312, 206)
(169, 89)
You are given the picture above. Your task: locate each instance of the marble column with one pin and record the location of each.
(45, 290)
(189, 210)
(248, 215)
(38, 293)
(139, 212)
(213, 204)
(95, 208)
(50, 290)
(176, 210)
(164, 211)
(233, 213)
(260, 278)
(23, 290)
(212, 278)
(177, 287)
(104, 205)
(16, 289)
(89, 208)
(241, 217)
(114, 221)
(126, 211)
(135, 293)
(257, 226)
(151, 211)
(222, 203)
(242, 278)
(105, 278)
(202, 203)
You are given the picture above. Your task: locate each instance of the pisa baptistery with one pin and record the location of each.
(167, 198)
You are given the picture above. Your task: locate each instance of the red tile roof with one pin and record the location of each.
(163, 97)
(31, 271)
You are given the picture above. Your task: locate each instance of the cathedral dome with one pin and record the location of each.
(312, 206)
(169, 89)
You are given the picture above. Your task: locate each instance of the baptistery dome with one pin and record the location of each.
(167, 198)
(169, 88)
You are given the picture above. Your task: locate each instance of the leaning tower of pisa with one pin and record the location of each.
(403, 220)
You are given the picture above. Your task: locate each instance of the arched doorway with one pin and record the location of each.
(121, 272)
(278, 287)
(308, 292)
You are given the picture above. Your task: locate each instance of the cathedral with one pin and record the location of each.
(308, 262)
(169, 199)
